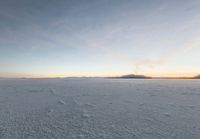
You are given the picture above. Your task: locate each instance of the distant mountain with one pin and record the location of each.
(132, 76)
(197, 77)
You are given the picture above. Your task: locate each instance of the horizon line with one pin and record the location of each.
(148, 77)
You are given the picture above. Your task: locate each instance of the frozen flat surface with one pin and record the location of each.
(99, 109)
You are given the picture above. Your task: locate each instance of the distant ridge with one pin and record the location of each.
(132, 76)
(197, 77)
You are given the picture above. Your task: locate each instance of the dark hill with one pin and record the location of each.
(132, 76)
(197, 77)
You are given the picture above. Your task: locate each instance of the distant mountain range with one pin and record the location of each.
(132, 76)
(197, 77)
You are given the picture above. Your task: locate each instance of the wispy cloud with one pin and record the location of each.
(147, 64)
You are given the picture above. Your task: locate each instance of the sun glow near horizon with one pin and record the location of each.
(102, 74)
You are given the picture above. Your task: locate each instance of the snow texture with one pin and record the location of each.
(90, 108)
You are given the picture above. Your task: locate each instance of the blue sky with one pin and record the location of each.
(48, 38)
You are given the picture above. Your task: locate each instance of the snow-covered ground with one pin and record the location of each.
(89, 108)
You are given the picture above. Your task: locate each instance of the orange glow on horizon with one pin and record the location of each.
(94, 74)
(172, 74)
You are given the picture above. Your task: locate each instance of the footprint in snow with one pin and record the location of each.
(61, 102)
(89, 105)
(167, 114)
(52, 91)
(141, 104)
(50, 110)
(85, 114)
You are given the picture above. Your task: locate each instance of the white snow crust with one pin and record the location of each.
(91, 108)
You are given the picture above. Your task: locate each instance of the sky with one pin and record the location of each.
(61, 38)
